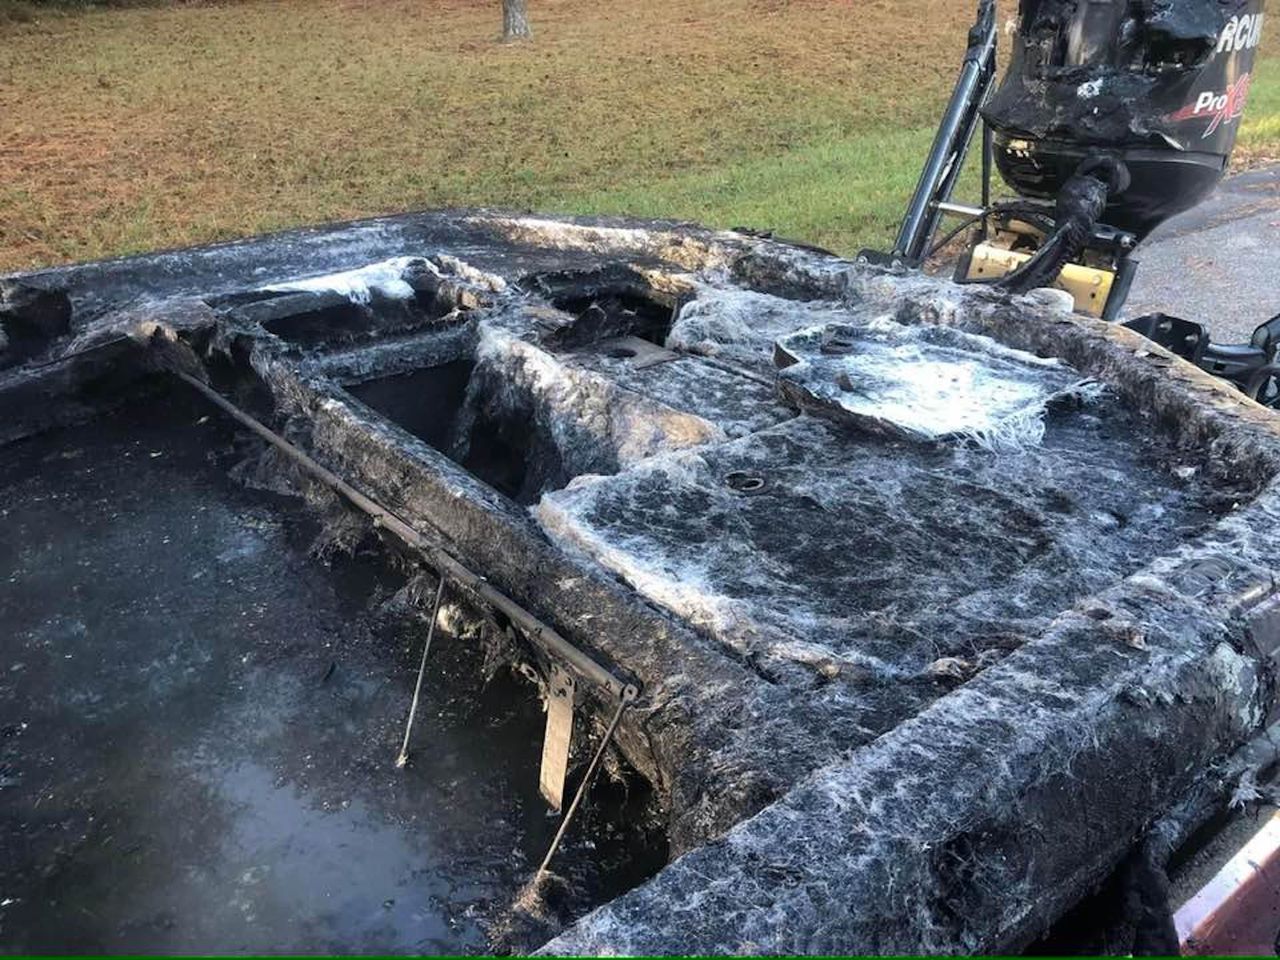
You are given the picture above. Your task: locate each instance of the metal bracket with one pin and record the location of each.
(1090, 287)
(628, 697)
(561, 688)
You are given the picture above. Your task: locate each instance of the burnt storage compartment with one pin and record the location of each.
(397, 296)
(618, 326)
(435, 405)
(584, 385)
(546, 394)
(426, 402)
(527, 422)
(604, 304)
(201, 703)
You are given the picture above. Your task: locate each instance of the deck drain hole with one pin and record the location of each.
(620, 353)
(837, 346)
(744, 482)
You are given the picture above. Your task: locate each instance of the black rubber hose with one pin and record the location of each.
(1080, 205)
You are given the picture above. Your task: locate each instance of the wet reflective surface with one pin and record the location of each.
(199, 720)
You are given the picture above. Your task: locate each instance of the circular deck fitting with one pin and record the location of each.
(744, 482)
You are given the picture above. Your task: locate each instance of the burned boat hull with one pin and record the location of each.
(849, 770)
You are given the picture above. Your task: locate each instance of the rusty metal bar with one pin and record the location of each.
(538, 631)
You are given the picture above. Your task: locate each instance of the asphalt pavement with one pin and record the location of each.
(1218, 264)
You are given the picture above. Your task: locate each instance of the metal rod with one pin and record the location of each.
(623, 702)
(960, 210)
(422, 669)
(986, 163)
(1120, 288)
(84, 351)
(729, 368)
(538, 631)
(946, 156)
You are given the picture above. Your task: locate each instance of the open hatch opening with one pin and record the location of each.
(204, 701)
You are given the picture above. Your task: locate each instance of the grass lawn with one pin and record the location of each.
(127, 130)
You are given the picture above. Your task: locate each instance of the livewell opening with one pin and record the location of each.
(204, 711)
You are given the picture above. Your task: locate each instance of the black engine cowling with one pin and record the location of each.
(1158, 84)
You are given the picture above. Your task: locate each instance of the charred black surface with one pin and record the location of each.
(947, 675)
(30, 320)
(200, 718)
(425, 402)
(38, 397)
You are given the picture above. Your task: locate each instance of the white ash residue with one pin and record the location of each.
(873, 558)
(386, 278)
(1089, 90)
(741, 325)
(452, 266)
(390, 279)
(925, 381)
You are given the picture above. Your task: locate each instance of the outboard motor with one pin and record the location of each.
(1157, 85)
(1113, 116)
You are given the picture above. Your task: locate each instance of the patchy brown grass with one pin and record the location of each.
(123, 130)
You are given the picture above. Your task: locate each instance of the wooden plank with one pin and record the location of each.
(559, 733)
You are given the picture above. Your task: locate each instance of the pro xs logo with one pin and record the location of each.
(1242, 32)
(1218, 108)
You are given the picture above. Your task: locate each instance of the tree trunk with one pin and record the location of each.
(515, 20)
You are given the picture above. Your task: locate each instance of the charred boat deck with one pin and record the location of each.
(935, 603)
